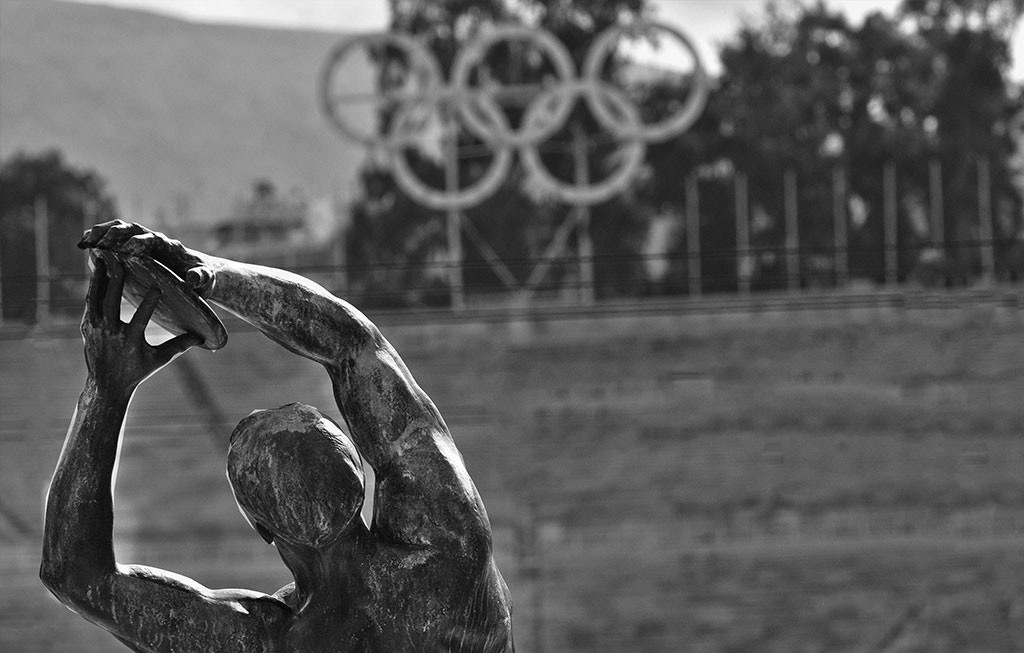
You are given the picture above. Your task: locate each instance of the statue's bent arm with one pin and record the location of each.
(424, 495)
(149, 609)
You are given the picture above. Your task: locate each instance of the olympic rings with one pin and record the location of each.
(473, 54)
(420, 60)
(668, 127)
(477, 104)
(435, 198)
(618, 181)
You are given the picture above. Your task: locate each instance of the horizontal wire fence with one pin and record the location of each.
(914, 235)
(67, 290)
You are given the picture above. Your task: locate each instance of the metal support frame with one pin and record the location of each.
(938, 221)
(581, 175)
(890, 227)
(791, 209)
(43, 273)
(743, 254)
(839, 226)
(693, 235)
(453, 215)
(985, 230)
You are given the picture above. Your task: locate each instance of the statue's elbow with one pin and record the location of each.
(55, 578)
(70, 588)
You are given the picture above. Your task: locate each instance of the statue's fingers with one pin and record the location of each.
(176, 345)
(92, 236)
(144, 313)
(112, 300)
(139, 244)
(97, 290)
(117, 234)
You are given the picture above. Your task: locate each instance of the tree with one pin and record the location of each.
(394, 248)
(72, 198)
(973, 105)
(394, 240)
(803, 89)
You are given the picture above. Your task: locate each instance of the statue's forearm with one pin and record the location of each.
(78, 532)
(375, 391)
(292, 310)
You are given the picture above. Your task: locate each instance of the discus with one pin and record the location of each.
(181, 309)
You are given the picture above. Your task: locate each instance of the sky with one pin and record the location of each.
(707, 22)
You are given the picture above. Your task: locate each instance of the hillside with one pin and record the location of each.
(180, 117)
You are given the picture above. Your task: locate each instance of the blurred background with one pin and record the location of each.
(766, 396)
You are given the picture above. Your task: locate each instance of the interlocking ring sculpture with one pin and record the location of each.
(478, 107)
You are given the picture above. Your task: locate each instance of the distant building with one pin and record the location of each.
(287, 231)
(263, 224)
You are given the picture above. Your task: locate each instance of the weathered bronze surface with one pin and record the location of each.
(420, 578)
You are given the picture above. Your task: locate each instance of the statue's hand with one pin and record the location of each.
(116, 353)
(133, 238)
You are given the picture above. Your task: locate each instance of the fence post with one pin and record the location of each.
(1, 285)
(792, 230)
(338, 262)
(585, 244)
(985, 235)
(535, 569)
(842, 260)
(693, 234)
(42, 229)
(89, 214)
(453, 216)
(938, 223)
(743, 258)
(890, 227)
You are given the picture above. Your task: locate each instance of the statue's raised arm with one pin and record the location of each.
(147, 608)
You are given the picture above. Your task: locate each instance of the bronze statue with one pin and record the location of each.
(420, 578)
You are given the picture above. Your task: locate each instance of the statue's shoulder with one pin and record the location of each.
(270, 607)
(285, 595)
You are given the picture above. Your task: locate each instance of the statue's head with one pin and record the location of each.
(295, 475)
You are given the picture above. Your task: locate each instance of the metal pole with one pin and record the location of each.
(88, 220)
(454, 217)
(42, 228)
(742, 235)
(988, 259)
(1, 285)
(842, 256)
(938, 225)
(693, 234)
(534, 567)
(792, 230)
(890, 227)
(338, 253)
(586, 245)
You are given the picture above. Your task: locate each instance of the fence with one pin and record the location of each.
(727, 235)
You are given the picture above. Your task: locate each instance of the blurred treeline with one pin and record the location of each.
(924, 93)
(44, 194)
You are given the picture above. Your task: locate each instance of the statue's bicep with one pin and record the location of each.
(426, 497)
(162, 611)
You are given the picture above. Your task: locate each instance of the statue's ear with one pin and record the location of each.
(267, 536)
